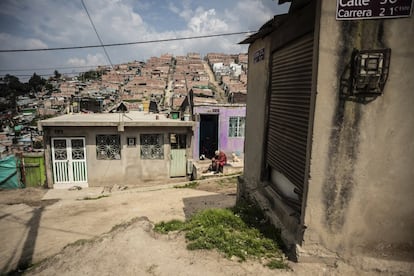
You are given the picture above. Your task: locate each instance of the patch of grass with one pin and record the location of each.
(79, 243)
(227, 231)
(94, 198)
(253, 216)
(228, 181)
(165, 227)
(125, 224)
(223, 230)
(190, 185)
(276, 264)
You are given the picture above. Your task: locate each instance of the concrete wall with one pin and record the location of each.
(226, 143)
(360, 191)
(255, 115)
(360, 197)
(130, 169)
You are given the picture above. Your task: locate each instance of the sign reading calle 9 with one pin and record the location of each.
(370, 9)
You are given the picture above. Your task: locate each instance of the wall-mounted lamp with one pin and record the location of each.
(368, 75)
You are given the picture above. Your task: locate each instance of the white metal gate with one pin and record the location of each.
(69, 161)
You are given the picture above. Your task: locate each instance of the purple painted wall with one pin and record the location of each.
(226, 143)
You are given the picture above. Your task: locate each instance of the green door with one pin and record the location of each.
(178, 162)
(34, 169)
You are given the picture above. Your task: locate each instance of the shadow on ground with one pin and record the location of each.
(193, 205)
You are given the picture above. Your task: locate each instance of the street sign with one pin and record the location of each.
(372, 9)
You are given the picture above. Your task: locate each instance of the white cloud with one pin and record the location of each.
(207, 22)
(48, 23)
(116, 21)
(8, 41)
(90, 60)
(186, 12)
(248, 14)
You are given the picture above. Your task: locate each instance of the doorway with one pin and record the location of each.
(208, 134)
(69, 162)
(178, 165)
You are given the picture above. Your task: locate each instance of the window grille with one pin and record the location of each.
(236, 126)
(108, 147)
(152, 146)
(60, 149)
(78, 149)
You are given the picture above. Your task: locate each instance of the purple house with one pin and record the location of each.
(218, 126)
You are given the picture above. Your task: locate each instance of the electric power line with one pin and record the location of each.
(52, 68)
(124, 43)
(97, 34)
(43, 75)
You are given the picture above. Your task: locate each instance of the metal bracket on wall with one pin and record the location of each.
(364, 78)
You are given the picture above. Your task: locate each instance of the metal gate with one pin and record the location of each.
(69, 161)
(289, 112)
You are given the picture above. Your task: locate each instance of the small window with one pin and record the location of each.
(108, 147)
(236, 126)
(131, 141)
(152, 146)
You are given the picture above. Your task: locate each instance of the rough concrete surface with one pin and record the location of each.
(32, 230)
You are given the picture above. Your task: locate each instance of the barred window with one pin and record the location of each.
(236, 126)
(108, 147)
(152, 146)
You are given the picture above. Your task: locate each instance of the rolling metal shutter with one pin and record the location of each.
(289, 110)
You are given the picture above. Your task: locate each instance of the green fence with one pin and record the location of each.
(34, 169)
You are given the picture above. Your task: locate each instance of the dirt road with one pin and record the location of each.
(32, 230)
(220, 96)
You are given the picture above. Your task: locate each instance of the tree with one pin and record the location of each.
(90, 75)
(57, 74)
(49, 87)
(36, 82)
(12, 86)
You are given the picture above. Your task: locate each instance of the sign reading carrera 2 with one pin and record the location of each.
(372, 9)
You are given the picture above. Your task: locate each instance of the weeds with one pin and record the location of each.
(190, 185)
(94, 198)
(253, 216)
(165, 227)
(239, 232)
(126, 224)
(79, 242)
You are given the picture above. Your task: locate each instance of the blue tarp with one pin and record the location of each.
(10, 173)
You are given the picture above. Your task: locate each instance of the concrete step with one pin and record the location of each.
(202, 165)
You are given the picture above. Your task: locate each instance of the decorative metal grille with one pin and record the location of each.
(78, 150)
(152, 146)
(60, 149)
(236, 126)
(108, 147)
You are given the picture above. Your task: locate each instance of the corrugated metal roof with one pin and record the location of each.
(267, 28)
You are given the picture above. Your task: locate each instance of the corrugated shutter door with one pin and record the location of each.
(290, 99)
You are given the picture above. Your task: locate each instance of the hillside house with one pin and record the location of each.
(133, 148)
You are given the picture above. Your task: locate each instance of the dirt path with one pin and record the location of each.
(134, 249)
(32, 230)
(220, 97)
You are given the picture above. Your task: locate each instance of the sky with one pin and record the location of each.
(34, 24)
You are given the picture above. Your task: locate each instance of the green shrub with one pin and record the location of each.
(165, 227)
(231, 232)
